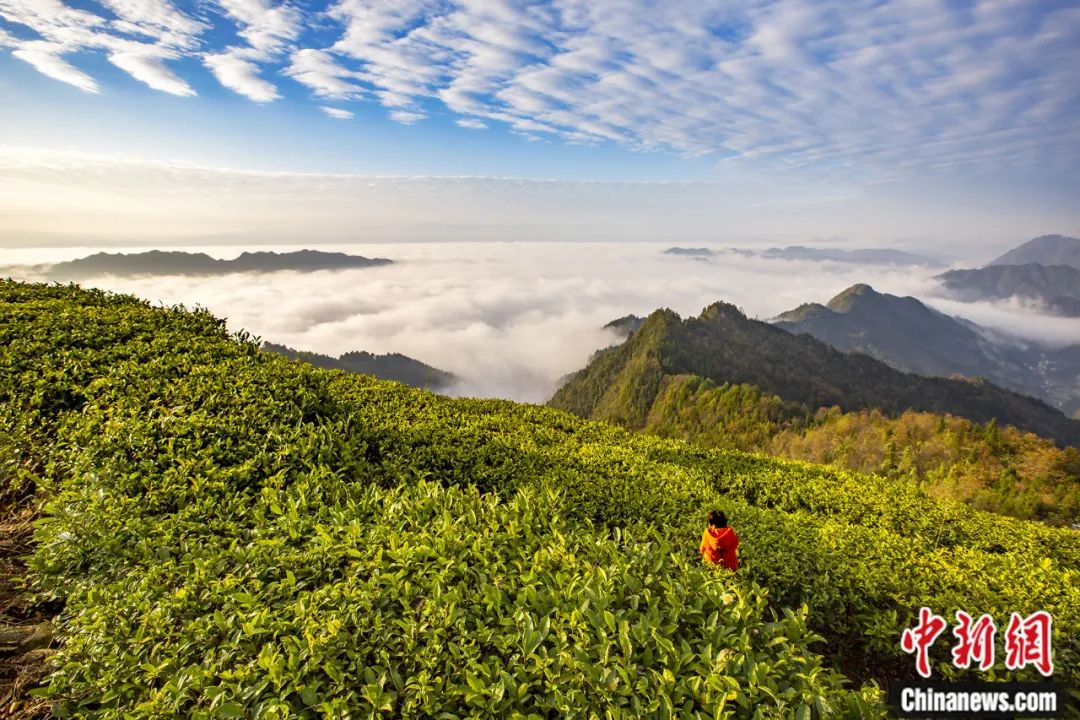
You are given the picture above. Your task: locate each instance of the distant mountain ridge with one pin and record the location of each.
(392, 366)
(692, 252)
(1057, 287)
(1044, 270)
(909, 336)
(865, 256)
(1044, 250)
(860, 319)
(724, 346)
(175, 262)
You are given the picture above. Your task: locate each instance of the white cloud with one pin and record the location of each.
(46, 59)
(234, 71)
(268, 27)
(156, 19)
(319, 71)
(67, 30)
(1016, 316)
(269, 30)
(147, 65)
(336, 113)
(52, 19)
(406, 117)
(471, 124)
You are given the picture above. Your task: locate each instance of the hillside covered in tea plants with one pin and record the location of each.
(232, 534)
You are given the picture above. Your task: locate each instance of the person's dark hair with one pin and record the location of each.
(717, 518)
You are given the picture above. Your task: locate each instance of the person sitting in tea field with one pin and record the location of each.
(719, 541)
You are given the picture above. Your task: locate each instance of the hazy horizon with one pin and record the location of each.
(75, 200)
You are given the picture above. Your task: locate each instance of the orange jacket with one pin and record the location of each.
(718, 547)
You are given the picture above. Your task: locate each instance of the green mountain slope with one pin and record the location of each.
(237, 534)
(392, 366)
(1055, 286)
(998, 469)
(1044, 250)
(725, 346)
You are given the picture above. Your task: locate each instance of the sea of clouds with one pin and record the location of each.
(511, 319)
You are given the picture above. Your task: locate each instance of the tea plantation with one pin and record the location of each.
(234, 534)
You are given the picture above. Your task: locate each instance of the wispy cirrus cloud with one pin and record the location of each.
(139, 38)
(337, 113)
(157, 20)
(148, 65)
(269, 30)
(236, 71)
(471, 123)
(47, 59)
(320, 72)
(837, 83)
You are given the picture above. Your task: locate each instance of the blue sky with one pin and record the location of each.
(970, 110)
(221, 128)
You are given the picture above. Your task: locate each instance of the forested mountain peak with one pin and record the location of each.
(724, 346)
(723, 312)
(803, 312)
(625, 325)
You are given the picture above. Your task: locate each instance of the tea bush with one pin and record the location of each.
(425, 601)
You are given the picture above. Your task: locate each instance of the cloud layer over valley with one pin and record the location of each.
(512, 318)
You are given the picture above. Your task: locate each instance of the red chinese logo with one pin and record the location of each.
(919, 639)
(1027, 641)
(976, 641)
